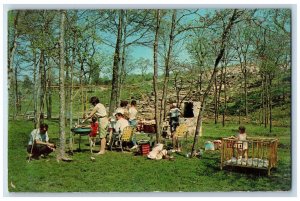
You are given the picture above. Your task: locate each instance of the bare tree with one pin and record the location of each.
(155, 75)
(115, 76)
(167, 67)
(62, 138)
(224, 40)
(11, 53)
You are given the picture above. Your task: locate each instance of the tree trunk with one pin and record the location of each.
(246, 92)
(261, 116)
(115, 76)
(35, 91)
(42, 83)
(81, 86)
(215, 101)
(225, 95)
(49, 95)
(155, 75)
(17, 97)
(167, 69)
(224, 40)
(67, 66)
(11, 53)
(265, 101)
(62, 138)
(72, 69)
(177, 88)
(270, 103)
(11, 76)
(218, 96)
(123, 68)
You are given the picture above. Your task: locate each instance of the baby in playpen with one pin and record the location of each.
(242, 144)
(93, 133)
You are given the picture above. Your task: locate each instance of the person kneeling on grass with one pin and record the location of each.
(39, 143)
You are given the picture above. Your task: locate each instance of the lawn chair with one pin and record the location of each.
(119, 138)
(181, 132)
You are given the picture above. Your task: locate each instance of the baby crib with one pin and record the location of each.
(261, 153)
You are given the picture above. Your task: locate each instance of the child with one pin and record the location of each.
(242, 146)
(93, 133)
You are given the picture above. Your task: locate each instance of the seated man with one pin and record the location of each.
(39, 142)
(119, 127)
(121, 123)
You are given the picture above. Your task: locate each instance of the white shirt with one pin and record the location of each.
(132, 113)
(100, 110)
(36, 135)
(121, 124)
(242, 136)
(120, 110)
(174, 112)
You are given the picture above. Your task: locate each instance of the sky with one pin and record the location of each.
(135, 51)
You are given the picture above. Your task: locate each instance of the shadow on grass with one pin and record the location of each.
(250, 172)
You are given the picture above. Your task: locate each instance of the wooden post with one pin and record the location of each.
(222, 153)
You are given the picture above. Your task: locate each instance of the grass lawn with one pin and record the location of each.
(125, 172)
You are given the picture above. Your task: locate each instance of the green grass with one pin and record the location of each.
(125, 172)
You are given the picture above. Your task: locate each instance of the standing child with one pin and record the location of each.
(93, 133)
(242, 145)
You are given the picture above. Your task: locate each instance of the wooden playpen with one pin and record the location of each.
(261, 153)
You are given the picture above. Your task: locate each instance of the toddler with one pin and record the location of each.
(93, 133)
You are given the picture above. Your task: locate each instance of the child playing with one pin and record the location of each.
(242, 145)
(93, 133)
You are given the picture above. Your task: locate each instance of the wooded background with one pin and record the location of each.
(192, 51)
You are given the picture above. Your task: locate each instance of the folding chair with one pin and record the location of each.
(181, 132)
(119, 138)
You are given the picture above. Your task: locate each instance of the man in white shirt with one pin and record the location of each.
(39, 142)
(121, 123)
